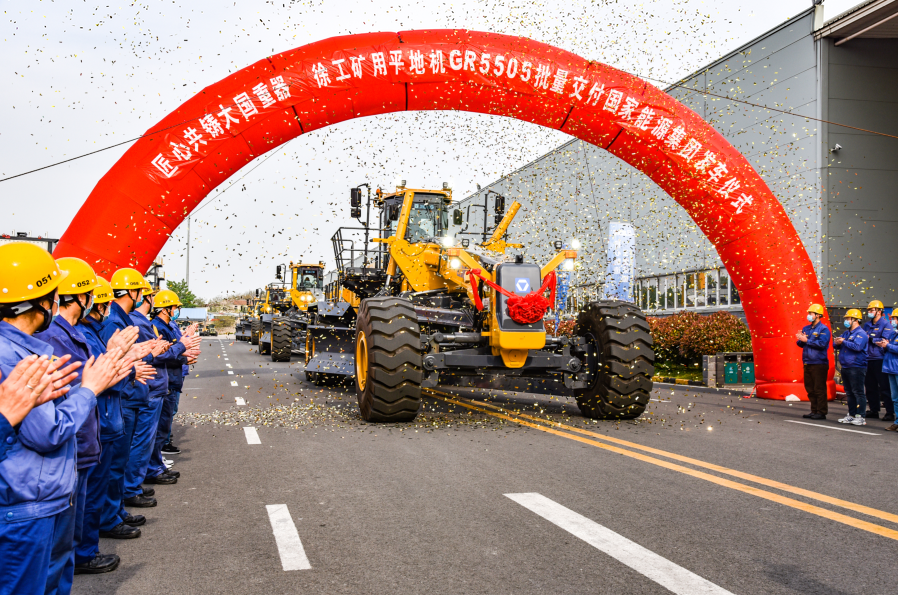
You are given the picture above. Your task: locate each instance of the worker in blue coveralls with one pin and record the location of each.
(19, 394)
(169, 448)
(88, 559)
(127, 292)
(164, 305)
(75, 301)
(814, 342)
(890, 362)
(38, 477)
(876, 383)
(852, 346)
(147, 420)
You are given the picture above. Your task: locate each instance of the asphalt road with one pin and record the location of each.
(704, 494)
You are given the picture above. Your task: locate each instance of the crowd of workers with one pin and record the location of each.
(868, 360)
(92, 372)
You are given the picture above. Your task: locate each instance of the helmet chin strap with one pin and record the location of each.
(85, 308)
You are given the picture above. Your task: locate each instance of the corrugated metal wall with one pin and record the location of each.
(575, 190)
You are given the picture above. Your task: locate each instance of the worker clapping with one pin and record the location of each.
(73, 351)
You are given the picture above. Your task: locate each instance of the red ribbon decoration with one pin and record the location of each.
(522, 309)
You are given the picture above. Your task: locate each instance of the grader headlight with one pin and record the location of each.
(454, 263)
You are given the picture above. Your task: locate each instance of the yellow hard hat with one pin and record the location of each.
(127, 279)
(103, 291)
(81, 277)
(854, 313)
(166, 298)
(875, 304)
(27, 272)
(816, 309)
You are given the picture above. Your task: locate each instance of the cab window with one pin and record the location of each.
(309, 279)
(428, 217)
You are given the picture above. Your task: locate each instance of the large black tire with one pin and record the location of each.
(255, 330)
(281, 339)
(619, 359)
(388, 360)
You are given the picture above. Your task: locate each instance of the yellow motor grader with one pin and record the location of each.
(283, 313)
(243, 328)
(427, 313)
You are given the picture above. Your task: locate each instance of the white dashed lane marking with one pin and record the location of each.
(659, 569)
(252, 436)
(293, 556)
(230, 371)
(233, 383)
(239, 400)
(804, 423)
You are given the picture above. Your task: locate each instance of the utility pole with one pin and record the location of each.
(187, 279)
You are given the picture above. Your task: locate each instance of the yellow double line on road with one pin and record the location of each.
(571, 433)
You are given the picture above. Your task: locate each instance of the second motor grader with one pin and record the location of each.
(429, 312)
(283, 315)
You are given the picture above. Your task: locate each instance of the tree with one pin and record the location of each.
(188, 299)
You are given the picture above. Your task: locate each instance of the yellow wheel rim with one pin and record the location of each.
(310, 347)
(361, 360)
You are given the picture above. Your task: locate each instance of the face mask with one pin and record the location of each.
(176, 314)
(810, 318)
(53, 312)
(48, 316)
(894, 323)
(847, 324)
(871, 314)
(139, 302)
(85, 310)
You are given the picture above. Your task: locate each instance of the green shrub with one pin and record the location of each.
(688, 335)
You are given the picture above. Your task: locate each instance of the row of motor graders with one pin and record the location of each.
(414, 308)
(278, 314)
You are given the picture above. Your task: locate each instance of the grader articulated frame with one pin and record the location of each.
(410, 319)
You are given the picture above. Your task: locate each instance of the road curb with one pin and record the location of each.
(703, 389)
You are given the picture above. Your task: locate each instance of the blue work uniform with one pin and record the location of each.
(174, 367)
(853, 358)
(186, 368)
(890, 365)
(853, 350)
(7, 437)
(816, 349)
(185, 372)
(38, 477)
(146, 418)
(109, 408)
(113, 512)
(876, 382)
(65, 339)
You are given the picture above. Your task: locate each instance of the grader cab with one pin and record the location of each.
(284, 314)
(431, 312)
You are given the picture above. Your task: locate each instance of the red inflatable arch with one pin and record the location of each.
(135, 207)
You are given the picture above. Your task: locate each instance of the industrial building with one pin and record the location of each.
(803, 102)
